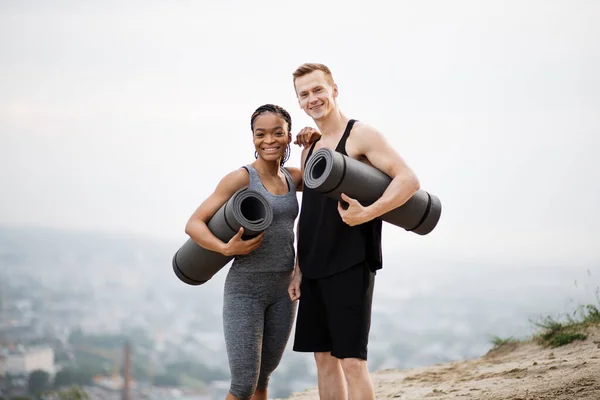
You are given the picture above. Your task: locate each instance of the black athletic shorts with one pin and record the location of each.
(334, 313)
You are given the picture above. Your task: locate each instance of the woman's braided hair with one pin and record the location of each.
(272, 108)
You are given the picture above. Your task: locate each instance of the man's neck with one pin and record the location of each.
(333, 125)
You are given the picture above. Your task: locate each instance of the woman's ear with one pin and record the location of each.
(289, 137)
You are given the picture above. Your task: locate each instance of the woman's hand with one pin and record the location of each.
(237, 246)
(307, 136)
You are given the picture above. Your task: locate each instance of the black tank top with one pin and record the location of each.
(326, 244)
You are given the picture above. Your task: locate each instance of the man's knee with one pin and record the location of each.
(354, 366)
(325, 361)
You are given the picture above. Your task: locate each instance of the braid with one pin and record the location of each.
(275, 109)
(272, 108)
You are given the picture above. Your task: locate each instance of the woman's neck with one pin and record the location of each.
(267, 167)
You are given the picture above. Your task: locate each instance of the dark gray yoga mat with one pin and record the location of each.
(247, 208)
(333, 173)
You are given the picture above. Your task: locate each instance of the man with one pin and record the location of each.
(339, 247)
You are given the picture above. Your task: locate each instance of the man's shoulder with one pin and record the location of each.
(305, 151)
(361, 129)
(362, 133)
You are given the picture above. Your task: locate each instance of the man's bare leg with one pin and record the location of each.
(360, 386)
(331, 381)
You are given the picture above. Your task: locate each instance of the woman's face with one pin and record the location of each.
(271, 136)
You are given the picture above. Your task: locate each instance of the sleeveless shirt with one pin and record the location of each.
(326, 244)
(276, 252)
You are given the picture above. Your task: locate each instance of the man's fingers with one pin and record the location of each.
(346, 198)
(294, 293)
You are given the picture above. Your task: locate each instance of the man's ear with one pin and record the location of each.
(335, 90)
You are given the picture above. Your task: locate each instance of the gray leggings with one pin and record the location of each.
(257, 320)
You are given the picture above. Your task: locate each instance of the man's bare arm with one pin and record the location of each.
(371, 144)
(294, 287)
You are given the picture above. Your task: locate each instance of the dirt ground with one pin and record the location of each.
(523, 371)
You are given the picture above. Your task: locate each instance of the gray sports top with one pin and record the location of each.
(276, 252)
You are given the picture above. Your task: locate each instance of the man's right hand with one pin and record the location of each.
(237, 246)
(294, 288)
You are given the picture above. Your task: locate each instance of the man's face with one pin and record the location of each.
(316, 95)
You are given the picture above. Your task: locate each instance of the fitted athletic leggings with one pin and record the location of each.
(257, 319)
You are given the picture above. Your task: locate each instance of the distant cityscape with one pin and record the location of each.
(107, 315)
(69, 307)
(42, 349)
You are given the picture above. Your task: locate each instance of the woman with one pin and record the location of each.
(257, 311)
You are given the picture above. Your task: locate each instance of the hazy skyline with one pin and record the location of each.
(123, 117)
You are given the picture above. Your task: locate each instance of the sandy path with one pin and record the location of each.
(514, 372)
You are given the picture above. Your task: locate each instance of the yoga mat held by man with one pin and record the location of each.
(333, 173)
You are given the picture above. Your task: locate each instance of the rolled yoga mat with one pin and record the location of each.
(332, 173)
(247, 208)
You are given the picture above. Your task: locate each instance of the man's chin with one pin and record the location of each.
(318, 115)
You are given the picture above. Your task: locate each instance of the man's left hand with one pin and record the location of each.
(355, 213)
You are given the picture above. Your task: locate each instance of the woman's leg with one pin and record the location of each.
(279, 319)
(243, 321)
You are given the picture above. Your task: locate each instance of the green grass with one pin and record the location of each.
(555, 333)
(498, 341)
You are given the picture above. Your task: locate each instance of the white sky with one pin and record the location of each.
(122, 116)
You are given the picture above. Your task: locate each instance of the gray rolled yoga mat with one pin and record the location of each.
(247, 208)
(330, 172)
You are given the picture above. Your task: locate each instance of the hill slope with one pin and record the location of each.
(523, 371)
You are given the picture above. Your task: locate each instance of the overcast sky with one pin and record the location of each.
(123, 116)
